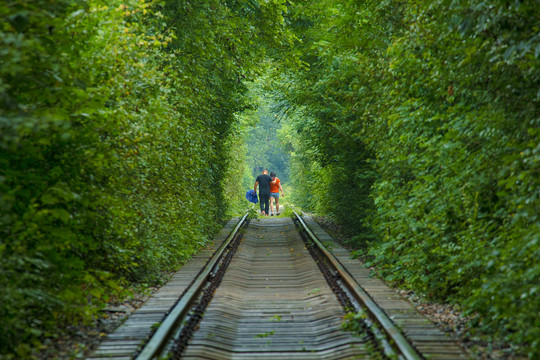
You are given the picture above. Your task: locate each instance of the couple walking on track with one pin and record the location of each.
(269, 188)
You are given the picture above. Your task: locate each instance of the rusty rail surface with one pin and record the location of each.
(401, 344)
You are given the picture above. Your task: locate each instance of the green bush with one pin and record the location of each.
(433, 109)
(117, 151)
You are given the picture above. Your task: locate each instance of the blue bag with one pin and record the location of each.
(252, 196)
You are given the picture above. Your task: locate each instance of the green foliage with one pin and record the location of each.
(353, 322)
(417, 124)
(117, 151)
(331, 165)
(287, 212)
(264, 148)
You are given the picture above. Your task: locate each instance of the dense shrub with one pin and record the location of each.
(441, 100)
(116, 149)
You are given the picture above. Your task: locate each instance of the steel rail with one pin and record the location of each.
(157, 342)
(401, 344)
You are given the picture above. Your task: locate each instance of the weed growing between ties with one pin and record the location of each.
(355, 323)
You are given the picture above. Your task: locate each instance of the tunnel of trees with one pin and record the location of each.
(128, 128)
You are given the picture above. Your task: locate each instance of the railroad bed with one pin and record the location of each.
(269, 300)
(273, 302)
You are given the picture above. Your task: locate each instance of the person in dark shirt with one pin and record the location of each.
(263, 181)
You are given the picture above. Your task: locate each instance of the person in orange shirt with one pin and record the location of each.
(275, 188)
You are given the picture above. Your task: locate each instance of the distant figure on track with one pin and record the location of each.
(275, 188)
(263, 181)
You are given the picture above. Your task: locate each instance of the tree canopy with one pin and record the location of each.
(116, 147)
(417, 125)
(125, 130)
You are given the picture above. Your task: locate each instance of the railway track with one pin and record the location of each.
(277, 288)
